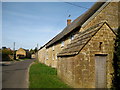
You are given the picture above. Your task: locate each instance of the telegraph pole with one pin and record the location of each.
(14, 50)
(37, 51)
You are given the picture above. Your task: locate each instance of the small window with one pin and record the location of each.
(72, 37)
(56, 55)
(46, 56)
(62, 44)
(53, 48)
(100, 45)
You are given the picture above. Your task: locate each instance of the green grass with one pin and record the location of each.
(23, 59)
(42, 76)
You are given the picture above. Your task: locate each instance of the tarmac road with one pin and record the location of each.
(15, 75)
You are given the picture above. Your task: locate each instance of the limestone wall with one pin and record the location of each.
(41, 55)
(53, 51)
(109, 14)
(48, 55)
(79, 71)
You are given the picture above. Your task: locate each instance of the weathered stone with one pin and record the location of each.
(78, 70)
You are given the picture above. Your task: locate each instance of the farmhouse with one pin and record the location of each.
(83, 51)
(22, 53)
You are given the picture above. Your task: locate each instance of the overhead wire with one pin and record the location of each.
(76, 5)
(79, 6)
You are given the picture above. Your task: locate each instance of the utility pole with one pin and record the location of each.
(37, 51)
(14, 50)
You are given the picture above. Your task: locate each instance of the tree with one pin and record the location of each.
(6, 54)
(32, 51)
(116, 80)
(6, 51)
(35, 49)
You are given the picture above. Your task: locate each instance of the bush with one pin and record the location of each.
(7, 52)
(116, 64)
(6, 55)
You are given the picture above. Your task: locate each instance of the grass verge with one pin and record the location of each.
(42, 76)
(23, 59)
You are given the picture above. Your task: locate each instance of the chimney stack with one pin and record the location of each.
(68, 21)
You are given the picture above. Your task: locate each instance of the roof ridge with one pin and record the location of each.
(77, 23)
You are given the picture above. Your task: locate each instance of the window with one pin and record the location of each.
(53, 48)
(52, 57)
(47, 56)
(72, 37)
(100, 45)
(56, 55)
(62, 44)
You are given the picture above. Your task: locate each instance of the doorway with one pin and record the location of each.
(100, 70)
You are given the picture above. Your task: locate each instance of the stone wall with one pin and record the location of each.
(79, 71)
(48, 55)
(109, 14)
(42, 55)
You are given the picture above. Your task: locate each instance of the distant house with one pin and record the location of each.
(83, 52)
(33, 56)
(22, 53)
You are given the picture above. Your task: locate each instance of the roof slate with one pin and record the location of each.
(77, 23)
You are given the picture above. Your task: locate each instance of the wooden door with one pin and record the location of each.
(100, 71)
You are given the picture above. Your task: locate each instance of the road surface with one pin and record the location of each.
(15, 75)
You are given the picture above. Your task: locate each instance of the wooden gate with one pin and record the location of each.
(100, 71)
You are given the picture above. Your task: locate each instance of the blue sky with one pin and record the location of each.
(29, 23)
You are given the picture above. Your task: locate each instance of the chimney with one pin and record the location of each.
(68, 21)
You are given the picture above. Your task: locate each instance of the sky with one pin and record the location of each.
(31, 23)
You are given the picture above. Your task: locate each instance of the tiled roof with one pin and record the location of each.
(80, 40)
(77, 23)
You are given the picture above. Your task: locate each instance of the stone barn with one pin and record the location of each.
(22, 53)
(87, 61)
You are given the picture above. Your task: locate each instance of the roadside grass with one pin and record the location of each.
(42, 76)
